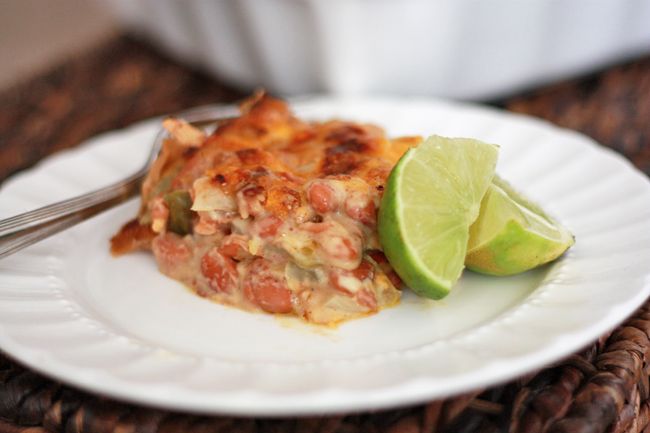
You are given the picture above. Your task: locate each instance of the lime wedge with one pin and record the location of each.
(432, 197)
(513, 235)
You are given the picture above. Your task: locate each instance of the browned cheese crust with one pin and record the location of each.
(271, 213)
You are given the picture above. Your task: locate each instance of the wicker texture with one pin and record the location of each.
(602, 389)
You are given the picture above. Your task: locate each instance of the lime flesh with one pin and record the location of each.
(432, 197)
(513, 235)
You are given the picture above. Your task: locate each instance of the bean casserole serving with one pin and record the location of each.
(271, 213)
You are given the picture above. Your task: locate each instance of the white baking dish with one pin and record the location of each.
(468, 49)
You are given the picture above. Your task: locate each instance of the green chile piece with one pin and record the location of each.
(180, 215)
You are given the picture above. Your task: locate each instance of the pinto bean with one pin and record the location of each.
(364, 213)
(322, 198)
(170, 251)
(220, 271)
(267, 289)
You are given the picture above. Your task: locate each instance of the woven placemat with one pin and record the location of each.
(602, 389)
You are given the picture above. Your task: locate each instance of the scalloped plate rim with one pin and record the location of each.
(331, 400)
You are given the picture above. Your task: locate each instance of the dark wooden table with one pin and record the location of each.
(604, 388)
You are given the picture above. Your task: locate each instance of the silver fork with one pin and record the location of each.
(20, 231)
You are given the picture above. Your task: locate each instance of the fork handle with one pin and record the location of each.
(22, 230)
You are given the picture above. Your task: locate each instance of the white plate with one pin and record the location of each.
(118, 327)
